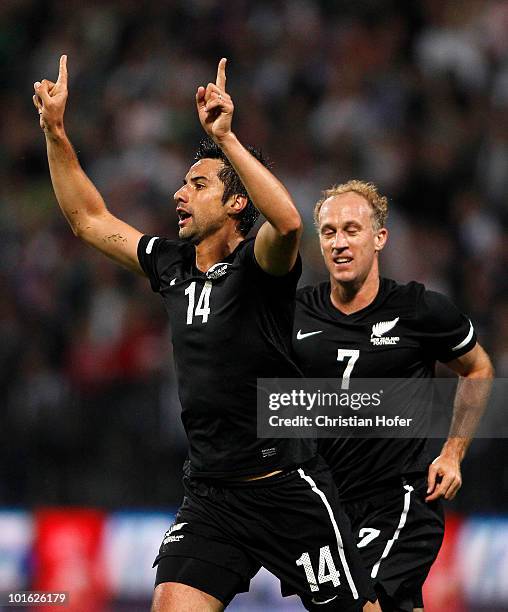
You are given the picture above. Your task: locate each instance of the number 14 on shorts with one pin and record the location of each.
(327, 572)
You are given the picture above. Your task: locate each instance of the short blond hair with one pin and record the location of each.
(378, 202)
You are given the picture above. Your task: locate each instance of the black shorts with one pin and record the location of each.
(291, 524)
(399, 536)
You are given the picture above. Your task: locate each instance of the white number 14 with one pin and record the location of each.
(203, 305)
(326, 564)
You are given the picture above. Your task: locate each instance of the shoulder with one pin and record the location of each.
(157, 245)
(445, 331)
(156, 254)
(438, 311)
(245, 250)
(430, 307)
(312, 294)
(407, 293)
(244, 255)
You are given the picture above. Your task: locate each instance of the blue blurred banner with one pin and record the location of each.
(473, 563)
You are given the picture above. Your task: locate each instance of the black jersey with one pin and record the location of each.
(400, 334)
(230, 326)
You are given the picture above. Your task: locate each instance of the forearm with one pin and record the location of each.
(81, 203)
(455, 448)
(470, 402)
(267, 193)
(77, 196)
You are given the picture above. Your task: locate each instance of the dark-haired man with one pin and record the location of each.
(358, 325)
(230, 300)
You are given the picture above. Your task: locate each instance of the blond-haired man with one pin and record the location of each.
(359, 325)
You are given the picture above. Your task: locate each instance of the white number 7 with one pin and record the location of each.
(353, 355)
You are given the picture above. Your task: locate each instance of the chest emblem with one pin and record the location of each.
(217, 270)
(379, 330)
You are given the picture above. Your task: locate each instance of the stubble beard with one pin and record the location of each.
(188, 234)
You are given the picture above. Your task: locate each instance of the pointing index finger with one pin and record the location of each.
(62, 71)
(221, 74)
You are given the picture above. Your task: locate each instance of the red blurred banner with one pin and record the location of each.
(443, 589)
(68, 553)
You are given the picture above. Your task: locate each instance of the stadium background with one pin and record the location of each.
(412, 95)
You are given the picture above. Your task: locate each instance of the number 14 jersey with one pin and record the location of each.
(230, 326)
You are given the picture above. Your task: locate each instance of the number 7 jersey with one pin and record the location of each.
(230, 326)
(401, 334)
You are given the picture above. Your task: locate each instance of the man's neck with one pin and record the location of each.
(215, 248)
(352, 297)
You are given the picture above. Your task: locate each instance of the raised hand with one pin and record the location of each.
(50, 99)
(214, 105)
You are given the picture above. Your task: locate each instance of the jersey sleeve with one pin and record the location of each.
(287, 281)
(446, 332)
(155, 256)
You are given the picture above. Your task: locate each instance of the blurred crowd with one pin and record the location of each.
(410, 95)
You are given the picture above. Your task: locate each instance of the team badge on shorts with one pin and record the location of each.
(169, 538)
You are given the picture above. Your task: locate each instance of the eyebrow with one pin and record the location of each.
(346, 224)
(196, 178)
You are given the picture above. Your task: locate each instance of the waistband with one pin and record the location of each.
(387, 490)
(221, 483)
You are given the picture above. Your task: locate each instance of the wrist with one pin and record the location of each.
(454, 449)
(225, 140)
(55, 133)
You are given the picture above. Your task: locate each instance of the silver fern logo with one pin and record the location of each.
(169, 538)
(217, 270)
(379, 330)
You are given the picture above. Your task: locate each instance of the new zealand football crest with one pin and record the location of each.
(169, 537)
(217, 270)
(379, 330)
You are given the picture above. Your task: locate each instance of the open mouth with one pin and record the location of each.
(342, 261)
(183, 217)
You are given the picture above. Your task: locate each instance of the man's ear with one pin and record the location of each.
(236, 204)
(380, 239)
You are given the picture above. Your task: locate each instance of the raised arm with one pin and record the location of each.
(81, 203)
(276, 245)
(475, 380)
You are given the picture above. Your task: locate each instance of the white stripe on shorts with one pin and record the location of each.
(402, 522)
(338, 537)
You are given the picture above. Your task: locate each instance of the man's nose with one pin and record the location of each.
(339, 242)
(181, 195)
